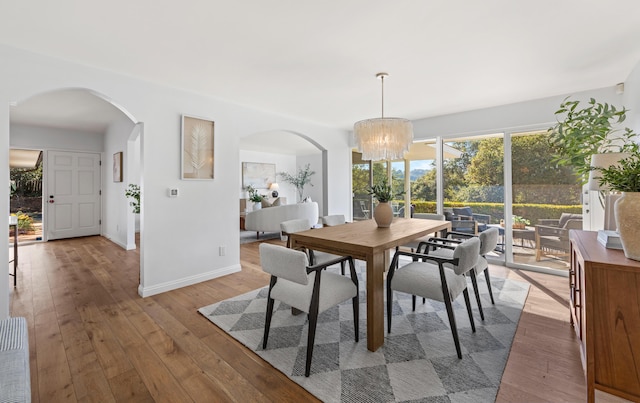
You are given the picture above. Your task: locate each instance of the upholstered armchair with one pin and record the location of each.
(552, 235)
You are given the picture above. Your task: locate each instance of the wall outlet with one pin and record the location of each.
(222, 250)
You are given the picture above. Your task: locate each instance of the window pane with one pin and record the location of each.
(360, 178)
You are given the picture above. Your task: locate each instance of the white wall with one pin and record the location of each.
(47, 138)
(115, 205)
(175, 252)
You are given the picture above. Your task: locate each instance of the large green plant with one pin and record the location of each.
(586, 131)
(133, 192)
(624, 177)
(300, 179)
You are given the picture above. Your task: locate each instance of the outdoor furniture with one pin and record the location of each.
(482, 220)
(438, 278)
(365, 210)
(552, 236)
(309, 289)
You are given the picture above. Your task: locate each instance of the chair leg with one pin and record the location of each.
(474, 281)
(486, 277)
(356, 317)
(413, 302)
(467, 301)
(313, 321)
(342, 267)
(389, 304)
(454, 328)
(267, 322)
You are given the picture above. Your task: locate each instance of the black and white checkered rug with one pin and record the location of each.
(417, 362)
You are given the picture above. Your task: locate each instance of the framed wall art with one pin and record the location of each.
(259, 175)
(197, 148)
(117, 167)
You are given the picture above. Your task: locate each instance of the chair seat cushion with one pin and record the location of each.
(448, 253)
(423, 279)
(334, 289)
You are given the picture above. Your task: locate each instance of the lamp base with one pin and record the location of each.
(274, 193)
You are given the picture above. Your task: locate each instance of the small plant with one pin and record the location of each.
(133, 192)
(302, 178)
(253, 194)
(25, 222)
(520, 220)
(624, 177)
(382, 192)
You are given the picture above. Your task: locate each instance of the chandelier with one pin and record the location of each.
(383, 138)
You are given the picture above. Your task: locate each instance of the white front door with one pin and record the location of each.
(73, 194)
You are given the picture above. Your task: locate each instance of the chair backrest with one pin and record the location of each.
(467, 254)
(429, 216)
(564, 217)
(293, 226)
(332, 220)
(488, 240)
(466, 211)
(289, 264)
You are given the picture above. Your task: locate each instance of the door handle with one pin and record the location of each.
(51, 201)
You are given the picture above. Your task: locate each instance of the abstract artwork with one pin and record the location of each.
(258, 175)
(197, 148)
(117, 167)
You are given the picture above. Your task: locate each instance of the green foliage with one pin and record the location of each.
(300, 180)
(25, 222)
(624, 177)
(587, 131)
(27, 182)
(382, 191)
(253, 194)
(133, 192)
(520, 220)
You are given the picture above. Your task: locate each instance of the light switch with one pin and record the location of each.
(173, 192)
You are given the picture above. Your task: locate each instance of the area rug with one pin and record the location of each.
(250, 236)
(417, 362)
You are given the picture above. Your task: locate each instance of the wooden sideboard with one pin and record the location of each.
(605, 313)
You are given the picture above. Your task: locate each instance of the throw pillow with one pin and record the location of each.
(276, 202)
(265, 203)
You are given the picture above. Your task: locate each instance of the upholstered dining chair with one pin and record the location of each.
(431, 278)
(333, 220)
(309, 289)
(413, 245)
(488, 242)
(316, 257)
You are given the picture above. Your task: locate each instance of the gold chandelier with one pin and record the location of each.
(383, 138)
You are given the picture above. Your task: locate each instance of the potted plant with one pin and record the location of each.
(254, 197)
(383, 213)
(133, 192)
(517, 222)
(302, 178)
(625, 177)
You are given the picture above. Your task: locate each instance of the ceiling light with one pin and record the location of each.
(383, 138)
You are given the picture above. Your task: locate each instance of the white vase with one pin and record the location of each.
(257, 206)
(627, 212)
(383, 214)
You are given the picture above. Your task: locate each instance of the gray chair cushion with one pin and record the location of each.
(429, 216)
(334, 289)
(467, 254)
(284, 263)
(333, 220)
(423, 279)
(488, 240)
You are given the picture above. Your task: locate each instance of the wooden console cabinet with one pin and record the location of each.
(605, 313)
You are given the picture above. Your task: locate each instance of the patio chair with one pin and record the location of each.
(552, 236)
(483, 220)
(309, 289)
(365, 210)
(437, 278)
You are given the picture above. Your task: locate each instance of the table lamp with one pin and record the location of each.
(274, 189)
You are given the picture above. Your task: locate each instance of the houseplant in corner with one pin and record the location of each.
(133, 192)
(625, 177)
(383, 213)
(302, 178)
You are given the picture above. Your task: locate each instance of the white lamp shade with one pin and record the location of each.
(274, 186)
(604, 160)
(383, 138)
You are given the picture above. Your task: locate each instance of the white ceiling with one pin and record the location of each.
(317, 60)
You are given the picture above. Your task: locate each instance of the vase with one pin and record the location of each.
(627, 213)
(383, 214)
(257, 206)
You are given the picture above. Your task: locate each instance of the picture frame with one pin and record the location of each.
(257, 174)
(197, 148)
(117, 167)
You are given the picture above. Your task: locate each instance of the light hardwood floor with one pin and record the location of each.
(92, 338)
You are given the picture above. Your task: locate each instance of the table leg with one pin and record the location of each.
(375, 301)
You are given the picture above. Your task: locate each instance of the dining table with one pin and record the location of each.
(364, 240)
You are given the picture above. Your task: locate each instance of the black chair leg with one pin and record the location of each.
(486, 277)
(356, 317)
(467, 301)
(454, 328)
(267, 322)
(311, 337)
(342, 267)
(474, 281)
(389, 313)
(413, 302)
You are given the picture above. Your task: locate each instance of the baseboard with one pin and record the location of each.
(114, 240)
(183, 282)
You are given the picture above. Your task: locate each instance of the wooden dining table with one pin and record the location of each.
(365, 241)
